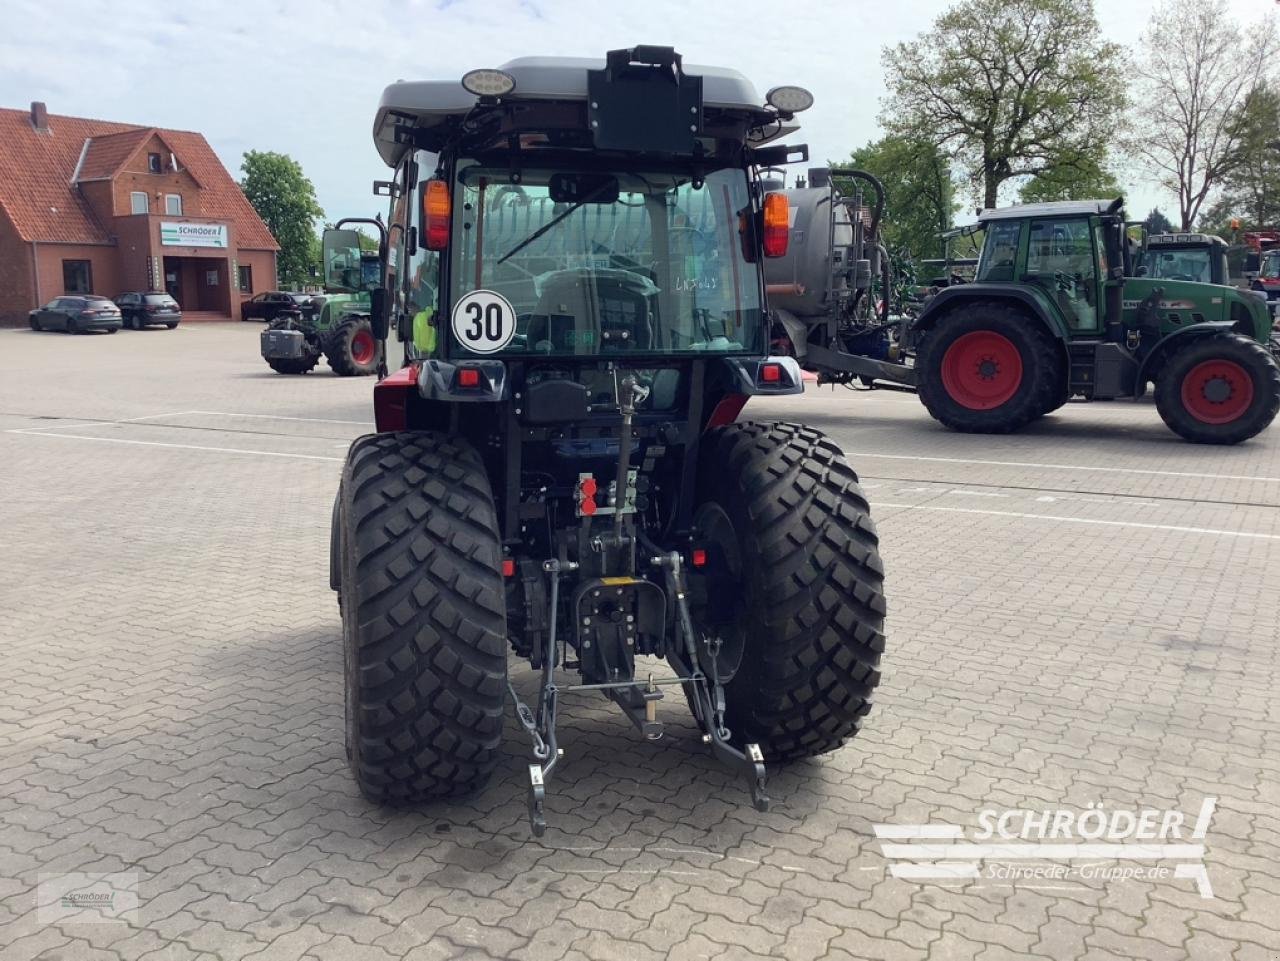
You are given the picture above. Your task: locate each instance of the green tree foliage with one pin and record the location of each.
(920, 197)
(1196, 72)
(1012, 87)
(1157, 223)
(286, 201)
(1251, 187)
(1072, 178)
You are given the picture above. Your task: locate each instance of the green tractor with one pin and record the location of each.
(1055, 311)
(1201, 258)
(338, 327)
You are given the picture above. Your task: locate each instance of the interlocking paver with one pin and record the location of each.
(173, 682)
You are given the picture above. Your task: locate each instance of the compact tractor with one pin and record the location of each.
(338, 327)
(574, 260)
(1054, 312)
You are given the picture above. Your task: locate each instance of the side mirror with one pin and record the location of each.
(379, 304)
(343, 261)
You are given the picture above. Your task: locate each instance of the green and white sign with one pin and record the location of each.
(193, 235)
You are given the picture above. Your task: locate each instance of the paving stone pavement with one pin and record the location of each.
(1083, 613)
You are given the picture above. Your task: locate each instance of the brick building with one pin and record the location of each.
(88, 206)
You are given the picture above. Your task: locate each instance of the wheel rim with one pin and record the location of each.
(1217, 391)
(982, 370)
(362, 347)
(716, 591)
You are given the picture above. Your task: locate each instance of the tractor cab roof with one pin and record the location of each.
(435, 109)
(1057, 208)
(1185, 240)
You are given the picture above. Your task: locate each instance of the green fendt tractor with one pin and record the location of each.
(1054, 312)
(1201, 258)
(573, 260)
(337, 327)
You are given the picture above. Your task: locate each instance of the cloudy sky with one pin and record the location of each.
(304, 78)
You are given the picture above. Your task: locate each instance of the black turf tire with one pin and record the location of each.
(173, 325)
(1249, 354)
(338, 349)
(35, 324)
(423, 617)
(812, 609)
(1041, 385)
(135, 322)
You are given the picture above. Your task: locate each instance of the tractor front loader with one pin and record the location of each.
(573, 260)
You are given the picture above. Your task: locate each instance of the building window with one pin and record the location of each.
(140, 202)
(153, 163)
(245, 277)
(173, 205)
(77, 277)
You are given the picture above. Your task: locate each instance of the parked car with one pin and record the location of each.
(140, 309)
(75, 313)
(273, 303)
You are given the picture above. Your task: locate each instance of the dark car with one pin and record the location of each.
(143, 308)
(75, 313)
(271, 304)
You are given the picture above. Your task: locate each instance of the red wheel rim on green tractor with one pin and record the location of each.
(982, 370)
(362, 347)
(1217, 391)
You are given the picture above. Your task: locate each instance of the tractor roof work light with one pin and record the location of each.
(488, 83)
(789, 99)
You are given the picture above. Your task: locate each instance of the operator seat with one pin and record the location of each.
(590, 311)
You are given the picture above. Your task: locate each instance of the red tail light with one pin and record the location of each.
(698, 557)
(776, 224)
(771, 373)
(587, 489)
(436, 206)
(508, 567)
(468, 377)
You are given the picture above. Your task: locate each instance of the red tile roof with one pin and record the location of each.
(107, 153)
(36, 169)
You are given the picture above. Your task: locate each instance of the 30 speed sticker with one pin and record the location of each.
(484, 321)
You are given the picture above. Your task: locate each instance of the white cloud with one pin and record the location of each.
(304, 78)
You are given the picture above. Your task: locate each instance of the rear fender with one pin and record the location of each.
(391, 397)
(949, 298)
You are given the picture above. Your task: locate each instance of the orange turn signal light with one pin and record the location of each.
(776, 224)
(436, 207)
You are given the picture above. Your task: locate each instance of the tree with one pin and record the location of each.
(1157, 223)
(286, 201)
(1012, 87)
(1072, 178)
(1197, 70)
(1251, 188)
(919, 194)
